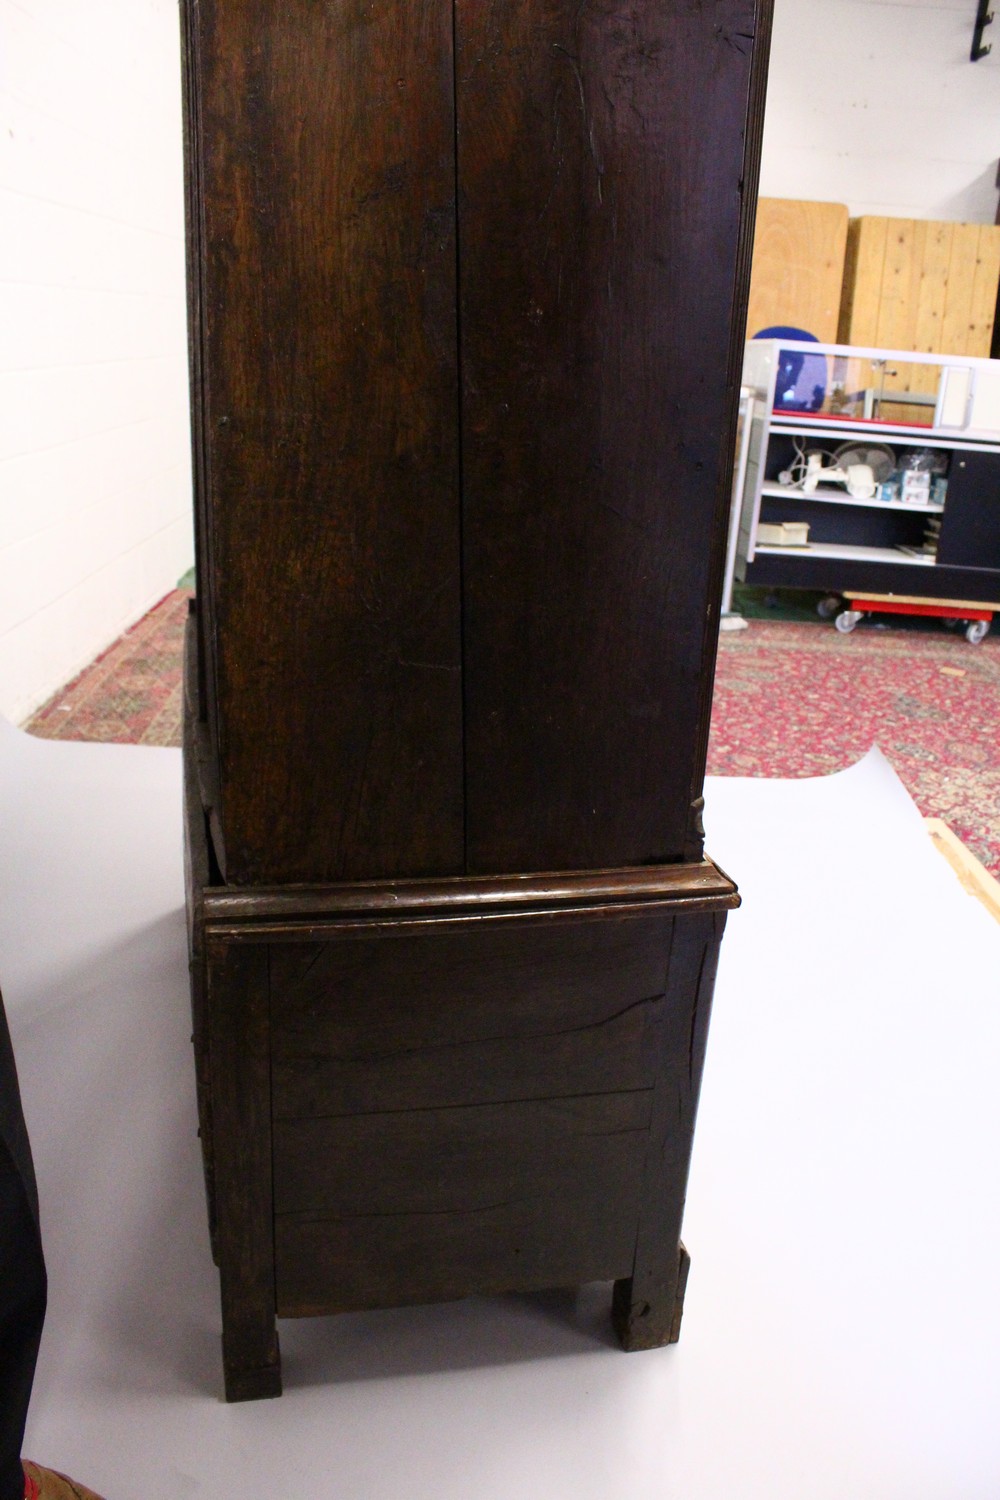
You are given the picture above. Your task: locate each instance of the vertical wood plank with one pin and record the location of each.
(848, 285)
(983, 301)
(239, 1048)
(923, 285)
(798, 266)
(895, 289)
(599, 230)
(753, 140)
(961, 280)
(930, 302)
(863, 271)
(197, 876)
(195, 259)
(330, 435)
(898, 303)
(648, 1305)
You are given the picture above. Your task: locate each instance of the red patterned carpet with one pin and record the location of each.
(800, 700)
(131, 694)
(792, 699)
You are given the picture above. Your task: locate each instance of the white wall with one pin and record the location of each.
(95, 502)
(874, 103)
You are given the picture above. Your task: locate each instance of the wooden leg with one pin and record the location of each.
(644, 1323)
(239, 1042)
(244, 1383)
(648, 1305)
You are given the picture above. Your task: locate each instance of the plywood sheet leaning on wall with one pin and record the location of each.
(920, 284)
(798, 266)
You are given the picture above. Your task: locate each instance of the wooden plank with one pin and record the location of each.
(582, 739)
(983, 302)
(337, 1265)
(847, 290)
(899, 296)
(798, 266)
(197, 874)
(538, 1010)
(922, 285)
(929, 312)
(331, 433)
(417, 1206)
(610, 1050)
(429, 1161)
(863, 271)
(923, 599)
(648, 1303)
(974, 876)
(237, 1007)
(955, 325)
(195, 262)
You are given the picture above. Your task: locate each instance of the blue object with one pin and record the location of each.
(801, 381)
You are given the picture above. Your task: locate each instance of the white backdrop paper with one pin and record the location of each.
(843, 1312)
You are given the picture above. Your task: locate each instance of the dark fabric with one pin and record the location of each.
(22, 1273)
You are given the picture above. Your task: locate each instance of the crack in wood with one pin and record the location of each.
(473, 1041)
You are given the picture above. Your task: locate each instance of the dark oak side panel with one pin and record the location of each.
(401, 1021)
(238, 1041)
(197, 875)
(360, 1165)
(601, 164)
(377, 1210)
(329, 429)
(648, 1304)
(463, 1110)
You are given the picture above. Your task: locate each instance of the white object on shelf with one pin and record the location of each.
(857, 479)
(783, 533)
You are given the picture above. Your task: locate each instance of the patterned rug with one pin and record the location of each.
(800, 700)
(131, 694)
(792, 698)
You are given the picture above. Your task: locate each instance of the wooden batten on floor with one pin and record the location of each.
(974, 876)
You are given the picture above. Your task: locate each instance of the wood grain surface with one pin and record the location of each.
(534, 1010)
(377, 1210)
(465, 285)
(330, 427)
(926, 285)
(798, 266)
(599, 221)
(238, 1042)
(649, 1303)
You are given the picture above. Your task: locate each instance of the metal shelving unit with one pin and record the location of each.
(866, 545)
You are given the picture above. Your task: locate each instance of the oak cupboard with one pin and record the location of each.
(467, 295)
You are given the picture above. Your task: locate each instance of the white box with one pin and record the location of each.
(783, 533)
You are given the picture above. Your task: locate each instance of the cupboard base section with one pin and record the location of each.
(414, 1091)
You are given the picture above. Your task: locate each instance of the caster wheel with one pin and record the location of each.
(847, 620)
(976, 630)
(828, 607)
